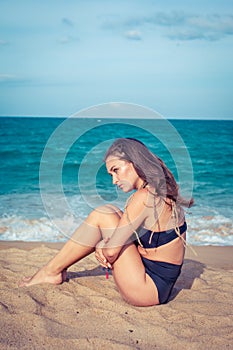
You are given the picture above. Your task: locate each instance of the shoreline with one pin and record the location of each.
(210, 255)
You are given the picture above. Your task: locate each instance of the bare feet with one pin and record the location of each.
(43, 276)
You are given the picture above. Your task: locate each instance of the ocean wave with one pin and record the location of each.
(17, 228)
(202, 230)
(210, 230)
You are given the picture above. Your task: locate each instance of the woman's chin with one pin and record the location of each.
(126, 190)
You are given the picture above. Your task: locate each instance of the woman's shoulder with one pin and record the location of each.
(136, 206)
(143, 196)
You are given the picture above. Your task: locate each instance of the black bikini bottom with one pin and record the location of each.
(164, 275)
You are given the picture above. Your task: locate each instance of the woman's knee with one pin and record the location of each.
(105, 215)
(108, 209)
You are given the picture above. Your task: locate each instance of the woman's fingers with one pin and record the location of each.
(102, 263)
(101, 258)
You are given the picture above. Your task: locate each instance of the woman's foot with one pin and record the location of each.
(43, 276)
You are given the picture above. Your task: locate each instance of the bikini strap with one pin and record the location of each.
(177, 228)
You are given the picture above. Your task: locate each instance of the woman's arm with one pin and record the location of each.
(133, 217)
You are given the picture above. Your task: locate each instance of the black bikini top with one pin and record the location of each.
(159, 238)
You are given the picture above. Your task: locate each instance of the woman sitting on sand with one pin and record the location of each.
(144, 246)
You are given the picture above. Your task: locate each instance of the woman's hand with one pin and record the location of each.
(99, 254)
(111, 253)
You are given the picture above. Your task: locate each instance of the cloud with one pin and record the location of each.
(166, 19)
(176, 26)
(133, 35)
(211, 27)
(66, 21)
(67, 38)
(193, 35)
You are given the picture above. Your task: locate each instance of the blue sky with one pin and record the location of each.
(59, 56)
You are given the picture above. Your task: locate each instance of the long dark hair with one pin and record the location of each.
(150, 168)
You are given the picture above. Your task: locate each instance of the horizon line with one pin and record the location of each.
(86, 117)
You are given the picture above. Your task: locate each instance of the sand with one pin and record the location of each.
(87, 312)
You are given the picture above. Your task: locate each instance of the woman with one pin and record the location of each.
(144, 245)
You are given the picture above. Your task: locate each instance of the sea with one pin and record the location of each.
(52, 173)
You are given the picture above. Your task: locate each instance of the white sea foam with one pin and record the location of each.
(23, 217)
(210, 230)
(202, 230)
(43, 229)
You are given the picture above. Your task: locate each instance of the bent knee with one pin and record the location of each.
(108, 209)
(105, 216)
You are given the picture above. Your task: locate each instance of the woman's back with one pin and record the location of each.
(159, 234)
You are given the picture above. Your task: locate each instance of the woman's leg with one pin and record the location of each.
(135, 286)
(98, 225)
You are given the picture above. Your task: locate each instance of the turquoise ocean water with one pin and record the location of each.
(50, 181)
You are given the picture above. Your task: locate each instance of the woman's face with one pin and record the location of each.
(123, 174)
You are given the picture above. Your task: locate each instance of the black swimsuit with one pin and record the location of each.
(163, 274)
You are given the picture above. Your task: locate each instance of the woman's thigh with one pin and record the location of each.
(135, 286)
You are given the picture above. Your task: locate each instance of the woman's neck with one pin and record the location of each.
(141, 184)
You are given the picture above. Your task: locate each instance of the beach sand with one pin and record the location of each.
(88, 313)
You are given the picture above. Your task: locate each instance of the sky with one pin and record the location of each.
(60, 56)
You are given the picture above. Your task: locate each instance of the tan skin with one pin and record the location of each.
(107, 232)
